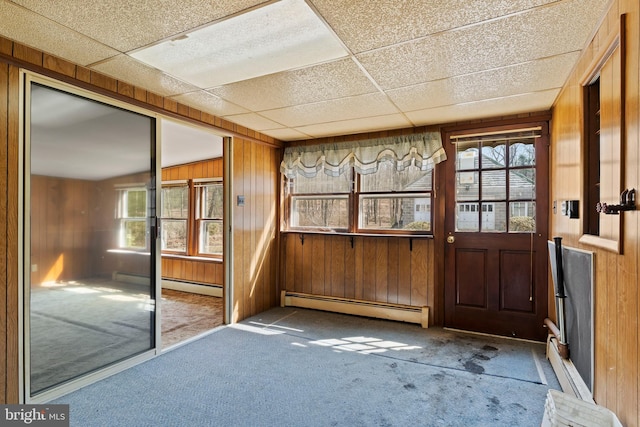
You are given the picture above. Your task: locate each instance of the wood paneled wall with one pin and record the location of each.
(211, 168)
(210, 272)
(617, 299)
(61, 229)
(394, 270)
(9, 126)
(255, 170)
(182, 268)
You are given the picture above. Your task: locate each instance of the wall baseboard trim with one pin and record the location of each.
(379, 310)
(176, 285)
(568, 376)
(194, 288)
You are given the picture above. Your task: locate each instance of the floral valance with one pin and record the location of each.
(422, 150)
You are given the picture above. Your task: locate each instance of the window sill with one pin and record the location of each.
(345, 233)
(600, 242)
(192, 258)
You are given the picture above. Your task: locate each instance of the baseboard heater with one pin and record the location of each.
(379, 310)
(136, 279)
(568, 376)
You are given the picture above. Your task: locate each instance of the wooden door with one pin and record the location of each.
(496, 231)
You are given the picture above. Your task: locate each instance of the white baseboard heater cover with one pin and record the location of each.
(379, 310)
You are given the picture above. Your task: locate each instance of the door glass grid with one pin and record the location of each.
(496, 183)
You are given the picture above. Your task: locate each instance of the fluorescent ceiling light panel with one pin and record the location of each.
(280, 36)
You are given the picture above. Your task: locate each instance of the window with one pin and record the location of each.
(321, 202)
(132, 212)
(387, 201)
(381, 185)
(175, 217)
(496, 182)
(395, 200)
(209, 218)
(192, 217)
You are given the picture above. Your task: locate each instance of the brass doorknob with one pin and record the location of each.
(451, 239)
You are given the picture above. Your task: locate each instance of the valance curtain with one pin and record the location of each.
(422, 150)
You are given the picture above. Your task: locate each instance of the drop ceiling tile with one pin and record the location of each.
(538, 75)
(38, 32)
(354, 107)
(253, 121)
(336, 79)
(286, 134)
(497, 43)
(209, 103)
(523, 103)
(364, 26)
(127, 25)
(283, 35)
(127, 69)
(366, 124)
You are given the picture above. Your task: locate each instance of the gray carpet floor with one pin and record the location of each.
(296, 367)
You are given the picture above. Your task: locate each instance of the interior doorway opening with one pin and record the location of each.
(191, 219)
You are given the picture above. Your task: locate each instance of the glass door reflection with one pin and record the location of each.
(91, 193)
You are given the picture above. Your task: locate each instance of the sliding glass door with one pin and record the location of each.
(90, 246)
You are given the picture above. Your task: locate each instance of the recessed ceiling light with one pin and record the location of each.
(280, 36)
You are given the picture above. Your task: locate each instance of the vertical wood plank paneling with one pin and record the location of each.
(4, 171)
(249, 229)
(392, 271)
(359, 268)
(297, 262)
(317, 264)
(404, 272)
(616, 295)
(419, 273)
(307, 263)
(12, 290)
(381, 270)
(254, 257)
(349, 269)
(238, 232)
(369, 274)
(337, 283)
(260, 242)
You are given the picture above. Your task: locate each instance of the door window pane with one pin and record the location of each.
(522, 218)
(522, 153)
(493, 155)
(467, 217)
(522, 184)
(494, 185)
(494, 218)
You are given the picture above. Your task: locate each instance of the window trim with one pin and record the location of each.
(178, 183)
(194, 221)
(614, 43)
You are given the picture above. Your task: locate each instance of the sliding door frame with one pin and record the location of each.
(24, 260)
